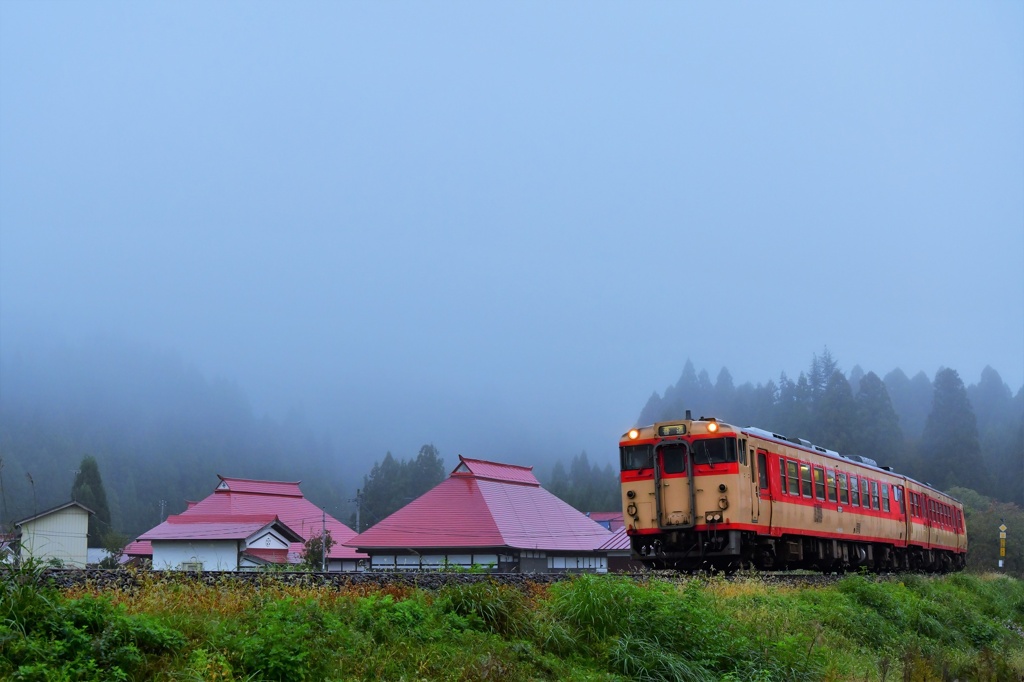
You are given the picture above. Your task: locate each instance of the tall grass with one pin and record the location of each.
(588, 628)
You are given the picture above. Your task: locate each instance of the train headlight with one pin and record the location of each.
(634, 434)
(712, 427)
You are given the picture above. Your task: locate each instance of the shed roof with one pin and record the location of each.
(485, 504)
(54, 510)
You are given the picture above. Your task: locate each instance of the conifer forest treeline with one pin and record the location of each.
(159, 432)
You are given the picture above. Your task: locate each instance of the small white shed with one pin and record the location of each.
(60, 534)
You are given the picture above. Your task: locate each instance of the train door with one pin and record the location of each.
(674, 494)
(763, 511)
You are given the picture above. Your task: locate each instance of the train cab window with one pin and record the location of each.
(673, 458)
(844, 489)
(854, 492)
(712, 451)
(830, 485)
(633, 457)
(805, 479)
(819, 483)
(885, 497)
(793, 477)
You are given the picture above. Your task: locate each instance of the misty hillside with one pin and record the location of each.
(940, 431)
(158, 429)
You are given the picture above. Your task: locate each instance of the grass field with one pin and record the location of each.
(964, 626)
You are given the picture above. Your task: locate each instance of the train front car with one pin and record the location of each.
(688, 495)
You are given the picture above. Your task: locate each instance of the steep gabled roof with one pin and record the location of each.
(242, 497)
(485, 504)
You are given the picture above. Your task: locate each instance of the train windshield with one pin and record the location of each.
(712, 451)
(636, 457)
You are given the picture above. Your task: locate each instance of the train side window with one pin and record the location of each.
(743, 451)
(854, 492)
(819, 483)
(762, 470)
(830, 484)
(793, 477)
(805, 479)
(782, 475)
(844, 489)
(865, 493)
(885, 497)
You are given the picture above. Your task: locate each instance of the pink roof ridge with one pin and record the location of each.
(251, 485)
(495, 471)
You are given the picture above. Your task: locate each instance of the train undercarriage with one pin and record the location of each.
(732, 550)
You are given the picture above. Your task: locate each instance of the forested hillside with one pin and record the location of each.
(938, 431)
(159, 431)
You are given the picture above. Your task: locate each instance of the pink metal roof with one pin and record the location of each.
(246, 485)
(485, 504)
(480, 468)
(240, 497)
(619, 541)
(139, 548)
(210, 527)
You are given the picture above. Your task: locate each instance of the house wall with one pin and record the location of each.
(61, 535)
(214, 555)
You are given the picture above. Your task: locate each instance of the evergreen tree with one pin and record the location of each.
(88, 490)
(723, 396)
(950, 451)
(911, 399)
(878, 433)
(999, 426)
(821, 371)
(392, 484)
(856, 374)
(834, 412)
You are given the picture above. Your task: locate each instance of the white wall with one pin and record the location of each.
(215, 555)
(61, 535)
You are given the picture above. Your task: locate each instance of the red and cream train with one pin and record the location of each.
(699, 493)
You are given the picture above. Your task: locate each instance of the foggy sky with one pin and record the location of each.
(502, 226)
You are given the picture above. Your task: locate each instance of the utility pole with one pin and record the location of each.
(163, 505)
(359, 506)
(323, 543)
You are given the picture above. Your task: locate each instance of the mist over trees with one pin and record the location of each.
(160, 432)
(156, 427)
(941, 432)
